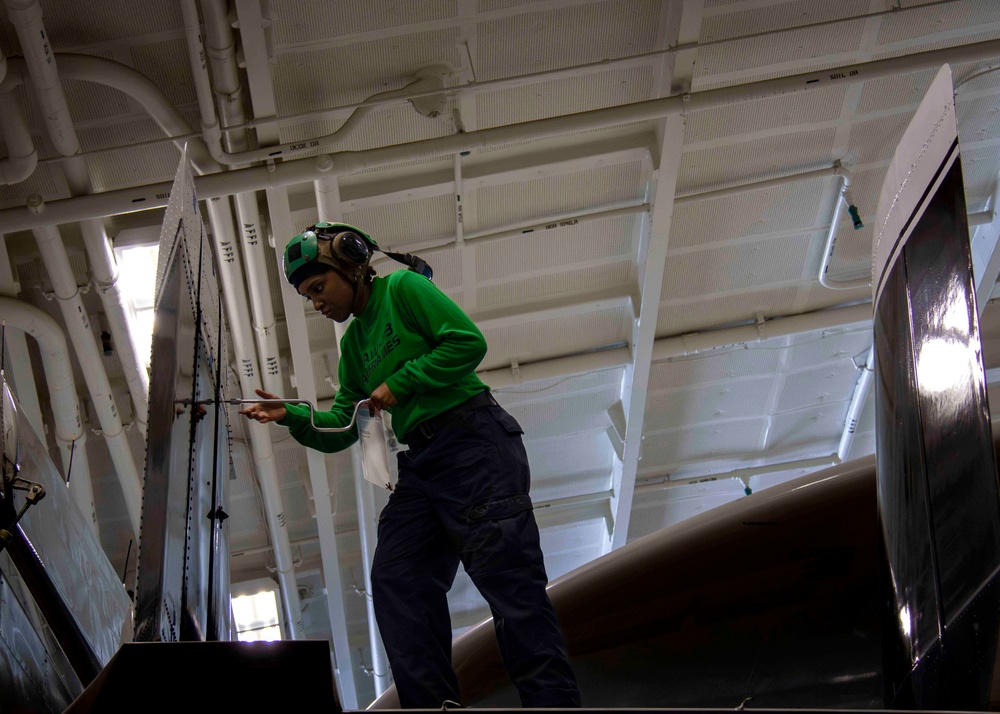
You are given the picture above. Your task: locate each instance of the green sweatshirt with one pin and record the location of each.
(414, 338)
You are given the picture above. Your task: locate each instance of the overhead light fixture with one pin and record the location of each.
(256, 617)
(137, 270)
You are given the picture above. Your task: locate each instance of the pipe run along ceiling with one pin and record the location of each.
(638, 202)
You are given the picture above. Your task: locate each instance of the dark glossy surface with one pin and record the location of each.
(773, 597)
(215, 677)
(62, 606)
(30, 677)
(937, 482)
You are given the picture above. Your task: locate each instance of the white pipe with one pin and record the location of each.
(557, 368)
(515, 229)
(231, 273)
(22, 157)
(743, 474)
(199, 70)
(221, 50)
(252, 235)
(289, 172)
(368, 531)
(90, 68)
(326, 143)
(694, 343)
(667, 348)
(26, 15)
(569, 72)
(981, 218)
(104, 269)
(857, 405)
(842, 197)
(682, 199)
(70, 434)
(21, 369)
(574, 218)
(327, 191)
(48, 89)
(302, 367)
(27, 18)
(459, 218)
(77, 321)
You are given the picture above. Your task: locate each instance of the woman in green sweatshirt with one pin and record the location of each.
(462, 492)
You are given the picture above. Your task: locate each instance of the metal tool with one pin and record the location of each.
(312, 410)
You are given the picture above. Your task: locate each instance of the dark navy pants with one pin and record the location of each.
(464, 496)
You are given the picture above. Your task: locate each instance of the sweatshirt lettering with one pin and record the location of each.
(373, 358)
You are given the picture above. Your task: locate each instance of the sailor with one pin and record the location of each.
(462, 491)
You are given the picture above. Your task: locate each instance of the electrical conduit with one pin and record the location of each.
(295, 171)
(71, 437)
(41, 65)
(231, 272)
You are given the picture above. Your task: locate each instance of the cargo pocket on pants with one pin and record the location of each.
(503, 535)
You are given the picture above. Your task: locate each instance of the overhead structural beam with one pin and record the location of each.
(693, 343)
(305, 170)
(681, 25)
(305, 381)
(985, 240)
(263, 102)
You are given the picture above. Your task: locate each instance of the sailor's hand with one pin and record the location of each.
(265, 412)
(381, 398)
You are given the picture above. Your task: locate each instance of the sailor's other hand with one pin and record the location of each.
(381, 398)
(265, 412)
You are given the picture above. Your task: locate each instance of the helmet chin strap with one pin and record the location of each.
(359, 283)
(356, 281)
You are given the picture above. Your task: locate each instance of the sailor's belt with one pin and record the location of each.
(421, 434)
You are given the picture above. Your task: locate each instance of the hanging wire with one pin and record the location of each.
(128, 553)
(366, 669)
(69, 468)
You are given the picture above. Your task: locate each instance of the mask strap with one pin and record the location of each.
(416, 263)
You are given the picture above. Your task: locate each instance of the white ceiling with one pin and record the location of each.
(664, 354)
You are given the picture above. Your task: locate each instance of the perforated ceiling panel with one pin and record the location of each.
(756, 159)
(71, 25)
(534, 340)
(160, 62)
(709, 402)
(563, 96)
(347, 76)
(568, 309)
(775, 260)
(935, 20)
(525, 292)
(576, 413)
(701, 224)
(316, 21)
(676, 317)
(605, 240)
(115, 169)
(402, 223)
(714, 366)
(510, 46)
(552, 195)
(763, 115)
(667, 450)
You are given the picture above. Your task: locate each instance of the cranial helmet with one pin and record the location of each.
(341, 247)
(325, 246)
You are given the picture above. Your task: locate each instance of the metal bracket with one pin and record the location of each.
(35, 492)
